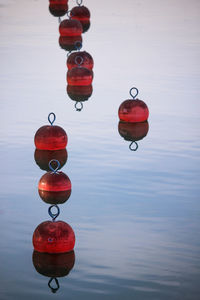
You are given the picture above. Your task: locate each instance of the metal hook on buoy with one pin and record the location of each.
(54, 215)
(79, 2)
(54, 289)
(58, 165)
(136, 146)
(130, 92)
(54, 118)
(78, 108)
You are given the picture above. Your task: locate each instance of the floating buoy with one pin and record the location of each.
(50, 137)
(69, 43)
(133, 110)
(55, 181)
(43, 157)
(82, 14)
(53, 265)
(70, 27)
(133, 132)
(79, 75)
(87, 60)
(53, 237)
(54, 187)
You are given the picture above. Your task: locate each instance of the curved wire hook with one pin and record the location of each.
(54, 290)
(78, 108)
(54, 118)
(52, 215)
(136, 146)
(79, 2)
(51, 168)
(130, 92)
(80, 60)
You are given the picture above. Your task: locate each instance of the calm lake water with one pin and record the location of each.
(135, 214)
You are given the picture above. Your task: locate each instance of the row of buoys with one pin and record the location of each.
(80, 64)
(53, 241)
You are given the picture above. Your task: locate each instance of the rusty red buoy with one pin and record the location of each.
(70, 27)
(50, 137)
(82, 14)
(53, 237)
(54, 187)
(133, 110)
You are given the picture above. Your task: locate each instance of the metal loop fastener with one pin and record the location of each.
(54, 215)
(58, 165)
(130, 92)
(49, 118)
(53, 289)
(136, 146)
(78, 108)
(79, 2)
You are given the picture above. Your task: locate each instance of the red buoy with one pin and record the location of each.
(70, 27)
(43, 157)
(53, 237)
(54, 187)
(134, 110)
(55, 181)
(53, 265)
(87, 60)
(69, 43)
(50, 137)
(79, 75)
(82, 14)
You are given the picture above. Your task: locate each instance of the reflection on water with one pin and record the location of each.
(133, 132)
(53, 266)
(43, 157)
(135, 215)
